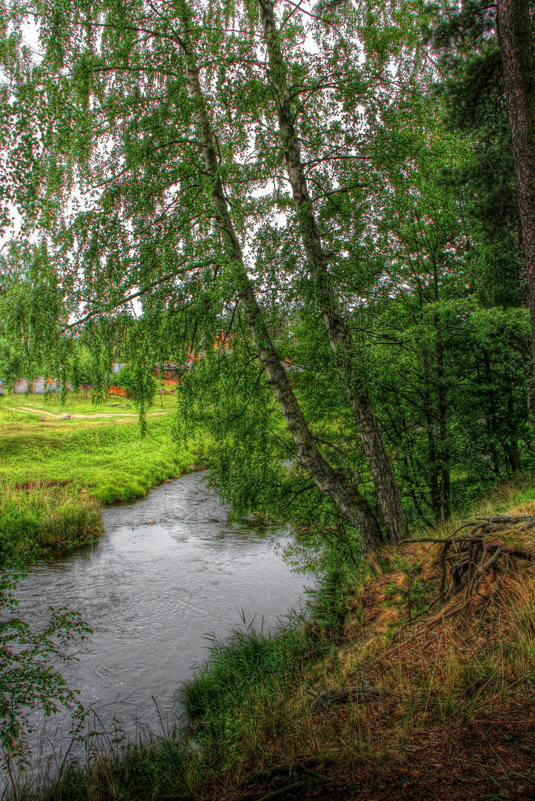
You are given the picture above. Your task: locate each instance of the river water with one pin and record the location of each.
(168, 571)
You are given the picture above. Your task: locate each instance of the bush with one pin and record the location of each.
(140, 384)
(27, 679)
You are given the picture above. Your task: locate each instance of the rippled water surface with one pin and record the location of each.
(167, 571)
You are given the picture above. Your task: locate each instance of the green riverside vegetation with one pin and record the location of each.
(55, 473)
(264, 700)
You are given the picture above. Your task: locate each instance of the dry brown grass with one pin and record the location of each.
(464, 682)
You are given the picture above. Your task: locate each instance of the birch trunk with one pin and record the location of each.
(338, 489)
(336, 327)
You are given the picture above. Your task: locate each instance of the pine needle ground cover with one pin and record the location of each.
(57, 469)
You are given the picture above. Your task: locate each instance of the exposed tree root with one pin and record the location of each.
(473, 567)
(289, 779)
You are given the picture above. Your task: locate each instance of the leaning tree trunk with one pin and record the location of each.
(336, 327)
(353, 506)
(516, 46)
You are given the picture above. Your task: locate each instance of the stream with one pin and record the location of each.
(168, 571)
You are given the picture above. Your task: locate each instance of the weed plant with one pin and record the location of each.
(226, 701)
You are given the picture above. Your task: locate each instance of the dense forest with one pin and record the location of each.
(322, 215)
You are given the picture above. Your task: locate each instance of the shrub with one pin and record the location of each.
(140, 384)
(27, 679)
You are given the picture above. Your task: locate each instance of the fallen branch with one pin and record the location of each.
(289, 788)
(343, 695)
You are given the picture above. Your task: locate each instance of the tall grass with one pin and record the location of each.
(247, 674)
(35, 520)
(156, 767)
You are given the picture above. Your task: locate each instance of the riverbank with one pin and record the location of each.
(400, 684)
(60, 464)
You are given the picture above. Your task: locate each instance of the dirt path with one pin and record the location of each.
(109, 415)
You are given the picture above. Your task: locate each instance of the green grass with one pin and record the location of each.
(105, 457)
(41, 519)
(78, 404)
(72, 466)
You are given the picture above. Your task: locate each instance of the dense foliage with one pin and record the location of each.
(311, 213)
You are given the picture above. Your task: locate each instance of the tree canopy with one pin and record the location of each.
(282, 190)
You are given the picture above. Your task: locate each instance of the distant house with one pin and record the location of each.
(54, 385)
(21, 387)
(167, 371)
(36, 386)
(115, 390)
(116, 367)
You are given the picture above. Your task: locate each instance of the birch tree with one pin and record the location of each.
(140, 147)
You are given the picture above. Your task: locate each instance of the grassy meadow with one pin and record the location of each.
(60, 463)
